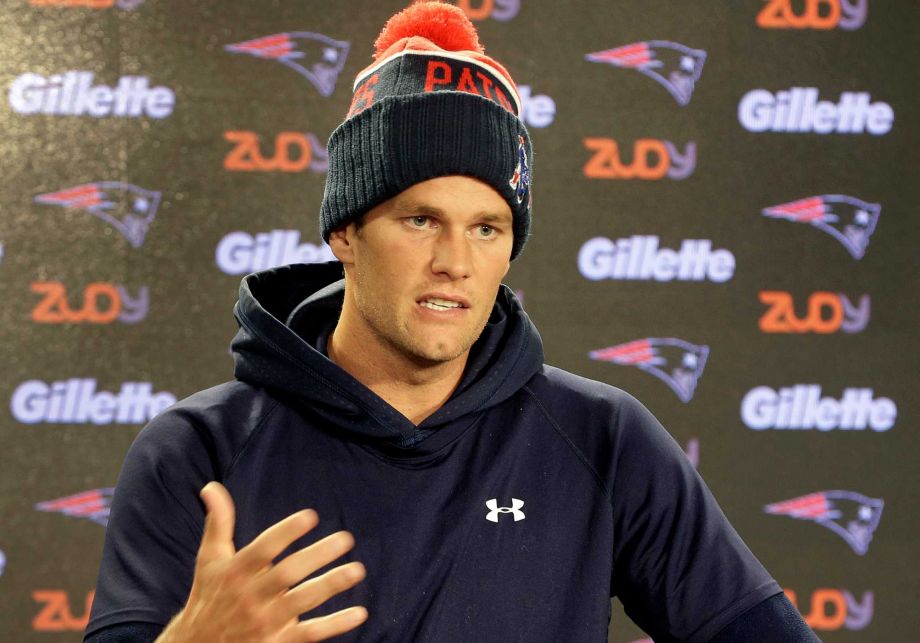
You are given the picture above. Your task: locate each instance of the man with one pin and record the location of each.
(487, 496)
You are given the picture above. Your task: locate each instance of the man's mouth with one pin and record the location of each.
(436, 303)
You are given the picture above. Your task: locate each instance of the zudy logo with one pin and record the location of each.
(815, 14)
(836, 609)
(103, 303)
(502, 10)
(127, 208)
(801, 407)
(828, 312)
(672, 65)
(293, 152)
(74, 94)
(240, 253)
(55, 614)
(92, 505)
(852, 516)
(849, 220)
(797, 111)
(316, 57)
(651, 159)
(677, 363)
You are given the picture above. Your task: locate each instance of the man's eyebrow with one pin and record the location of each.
(492, 218)
(418, 207)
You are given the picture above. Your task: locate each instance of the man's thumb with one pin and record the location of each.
(217, 539)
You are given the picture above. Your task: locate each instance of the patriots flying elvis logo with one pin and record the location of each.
(677, 363)
(520, 180)
(674, 66)
(852, 516)
(127, 208)
(314, 56)
(93, 505)
(849, 220)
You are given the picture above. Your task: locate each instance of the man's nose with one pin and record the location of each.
(452, 255)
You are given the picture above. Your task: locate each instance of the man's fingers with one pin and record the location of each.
(271, 542)
(217, 539)
(296, 567)
(325, 627)
(317, 591)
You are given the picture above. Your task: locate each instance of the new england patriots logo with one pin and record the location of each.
(520, 180)
(127, 208)
(314, 56)
(677, 363)
(93, 505)
(670, 64)
(849, 220)
(850, 515)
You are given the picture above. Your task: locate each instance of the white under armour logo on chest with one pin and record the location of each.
(495, 510)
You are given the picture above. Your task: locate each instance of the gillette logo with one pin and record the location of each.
(240, 253)
(801, 407)
(73, 94)
(76, 401)
(639, 258)
(798, 110)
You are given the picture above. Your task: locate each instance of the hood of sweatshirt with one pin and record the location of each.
(285, 316)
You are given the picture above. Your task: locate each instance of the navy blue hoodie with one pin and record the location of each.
(513, 513)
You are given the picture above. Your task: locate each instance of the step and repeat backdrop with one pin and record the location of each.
(725, 225)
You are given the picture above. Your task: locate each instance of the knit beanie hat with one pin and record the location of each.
(431, 104)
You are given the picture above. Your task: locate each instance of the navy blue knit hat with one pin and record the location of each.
(431, 104)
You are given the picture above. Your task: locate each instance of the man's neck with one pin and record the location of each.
(413, 388)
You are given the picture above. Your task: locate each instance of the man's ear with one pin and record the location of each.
(342, 243)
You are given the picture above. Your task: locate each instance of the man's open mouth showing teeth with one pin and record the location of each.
(440, 304)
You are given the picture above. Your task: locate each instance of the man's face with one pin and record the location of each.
(425, 266)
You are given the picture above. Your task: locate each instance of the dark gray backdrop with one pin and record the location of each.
(49, 552)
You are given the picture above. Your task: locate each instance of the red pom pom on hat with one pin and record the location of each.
(443, 24)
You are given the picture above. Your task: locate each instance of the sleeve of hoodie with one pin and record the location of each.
(679, 568)
(155, 523)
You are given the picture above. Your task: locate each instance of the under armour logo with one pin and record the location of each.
(514, 509)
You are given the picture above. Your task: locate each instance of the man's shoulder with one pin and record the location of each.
(220, 419)
(554, 387)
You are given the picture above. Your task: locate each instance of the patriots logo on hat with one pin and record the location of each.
(520, 180)
(93, 505)
(127, 208)
(314, 56)
(677, 363)
(852, 516)
(671, 64)
(849, 220)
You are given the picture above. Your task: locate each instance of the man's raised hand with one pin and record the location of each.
(242, 596)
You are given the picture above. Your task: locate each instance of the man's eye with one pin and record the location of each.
(419, 221)
(486, 230)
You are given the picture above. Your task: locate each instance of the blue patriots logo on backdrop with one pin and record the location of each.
(674, 66)
(677, 363)
(316, 57)
(852, 516)
(93, 505)
(127, 208)
(849, 220)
